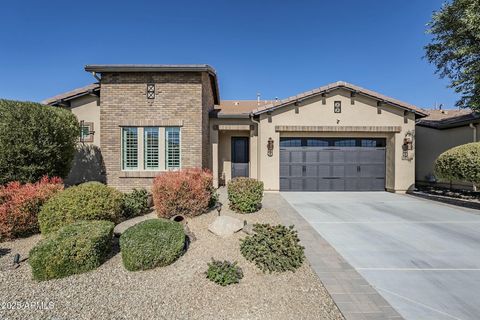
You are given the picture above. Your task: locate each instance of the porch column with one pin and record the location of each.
(214, 144)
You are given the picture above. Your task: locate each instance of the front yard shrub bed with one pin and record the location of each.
(87, 201)
(76, 248)
(135, 203)
(245, 194)
(187, 192)
(273, 248)
(35, 140)
(152, 243)
(21, 203)
(224, 273)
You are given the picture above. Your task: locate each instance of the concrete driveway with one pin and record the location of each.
(423, 257)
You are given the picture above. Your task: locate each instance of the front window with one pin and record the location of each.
(129, 148)
(172, 148)
(151, 148)
(86, 131)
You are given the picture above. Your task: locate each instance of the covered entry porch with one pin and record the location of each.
(234, 151)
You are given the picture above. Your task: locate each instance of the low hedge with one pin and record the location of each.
(135, 203)
(461, 163)
(245, 194)
(76, 248)
(273, 248)
(187, 192)
(152, 243)
(88, 201)
(21, 203)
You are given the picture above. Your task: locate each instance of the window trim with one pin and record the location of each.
(122, 154)
(167, 168)
(91, 132)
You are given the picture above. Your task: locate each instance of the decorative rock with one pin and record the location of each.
(248, 229)
(225, 226)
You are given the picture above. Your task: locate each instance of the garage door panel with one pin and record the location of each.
(284, 170)
(323, 184)
(351, 156)
(311, 171)
(324, 156)
(311, 156)
(338, 156)
(296, 184)
(296, 170)
(284, 156)
(323, 170)
(374, 170)
(351, 170)
(338, 184)
(351, 184)
(310, 184)
(296, 156)
(284, 184)
(338, 171)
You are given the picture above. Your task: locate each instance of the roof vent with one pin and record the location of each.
(237, 103)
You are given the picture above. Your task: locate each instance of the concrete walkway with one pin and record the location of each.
(354, 296)
(423, 257)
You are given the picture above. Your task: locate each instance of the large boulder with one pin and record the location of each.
(225, 226)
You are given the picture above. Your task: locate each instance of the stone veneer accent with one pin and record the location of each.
(182, 99)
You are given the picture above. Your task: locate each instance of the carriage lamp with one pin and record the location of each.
(270, 147)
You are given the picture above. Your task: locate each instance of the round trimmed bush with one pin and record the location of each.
(135, 203)
(152, 243)
(245, 194)
(87, 201)
(76, 248)
(273, 248)
(461, 163)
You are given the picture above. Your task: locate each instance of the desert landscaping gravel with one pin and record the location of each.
(178, 291)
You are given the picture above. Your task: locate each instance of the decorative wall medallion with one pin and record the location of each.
(337, 107)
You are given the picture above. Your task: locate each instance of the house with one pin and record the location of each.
(145, 119)
(438, 132)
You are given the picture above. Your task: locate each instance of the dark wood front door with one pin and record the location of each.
(240, 157)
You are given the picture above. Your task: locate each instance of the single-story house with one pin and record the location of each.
(438, 132)
(146, 119)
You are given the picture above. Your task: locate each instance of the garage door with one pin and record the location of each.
(328, 164)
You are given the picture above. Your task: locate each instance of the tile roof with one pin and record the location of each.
(246, 106)
(73, 93)
(443, 119)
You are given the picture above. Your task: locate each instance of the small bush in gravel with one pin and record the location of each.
(21, 203)
(273, 248)
(135, 203)
(224, 272)
(245, 194)
(186, 192)
(461, 163)
(76, 248)
(87, 201)
(152, 243)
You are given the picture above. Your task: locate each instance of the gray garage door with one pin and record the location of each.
(347, 164)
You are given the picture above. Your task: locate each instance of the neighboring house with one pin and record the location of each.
(147, 119)
(438, 132)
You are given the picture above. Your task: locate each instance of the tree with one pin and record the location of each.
(455, 48)
(35, 140)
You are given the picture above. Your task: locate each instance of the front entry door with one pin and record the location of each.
(240, 157)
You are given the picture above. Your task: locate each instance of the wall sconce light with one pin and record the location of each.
(270, 147)
(407, 146)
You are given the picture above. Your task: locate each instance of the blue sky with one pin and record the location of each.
(279, 48)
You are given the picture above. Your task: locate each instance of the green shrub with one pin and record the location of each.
(273, 248)
(135, 203)
(35, 141)
(224, 272)
(461, 163)
(76, 248)
(152, 243)
(87, 201)
(245, 194)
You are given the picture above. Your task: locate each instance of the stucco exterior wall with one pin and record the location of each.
(87, 108)
(432, 142)
(400, 174)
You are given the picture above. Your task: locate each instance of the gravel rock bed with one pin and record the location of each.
(178, 291)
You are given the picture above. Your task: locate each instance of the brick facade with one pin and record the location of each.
(182, 98)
